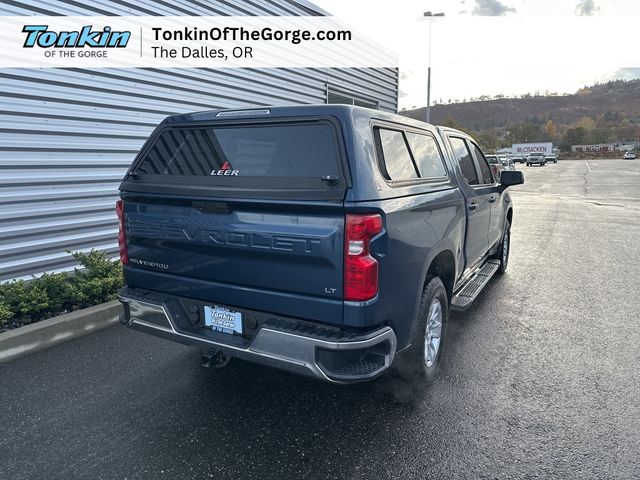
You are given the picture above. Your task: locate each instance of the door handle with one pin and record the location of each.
(492, 198)
(473, 206)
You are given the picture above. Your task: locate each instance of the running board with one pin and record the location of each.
(467, 294)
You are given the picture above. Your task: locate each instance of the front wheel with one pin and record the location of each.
(421, 361)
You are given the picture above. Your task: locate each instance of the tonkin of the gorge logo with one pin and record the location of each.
(41, 36)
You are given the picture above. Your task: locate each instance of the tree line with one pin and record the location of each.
(585, 131)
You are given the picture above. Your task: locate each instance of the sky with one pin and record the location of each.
(499, 47)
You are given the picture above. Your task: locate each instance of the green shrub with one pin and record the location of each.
(99, 281)
(52, 294)
(24, 299)
(59, 289)
(5, 315)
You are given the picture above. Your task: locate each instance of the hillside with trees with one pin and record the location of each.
(602, 113)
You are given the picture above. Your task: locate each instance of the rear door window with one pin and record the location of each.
(397, 159)
(277, 151)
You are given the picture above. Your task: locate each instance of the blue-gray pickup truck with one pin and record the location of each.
(329, 241)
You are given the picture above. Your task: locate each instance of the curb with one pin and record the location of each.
(47, 333)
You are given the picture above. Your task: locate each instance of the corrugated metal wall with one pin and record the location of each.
(68, 135)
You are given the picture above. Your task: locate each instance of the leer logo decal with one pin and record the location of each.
(232, 173)
(225, 169)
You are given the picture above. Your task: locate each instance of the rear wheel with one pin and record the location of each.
(421, 361)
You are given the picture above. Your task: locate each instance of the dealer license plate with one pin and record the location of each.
(222, 319)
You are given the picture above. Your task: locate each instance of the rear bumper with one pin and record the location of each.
(307, 350)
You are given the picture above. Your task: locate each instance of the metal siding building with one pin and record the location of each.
(68, 135)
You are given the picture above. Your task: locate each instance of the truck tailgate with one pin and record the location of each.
(260, 254)
(243, 212)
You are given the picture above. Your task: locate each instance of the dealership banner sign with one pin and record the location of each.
(526, 148)
(212, 42)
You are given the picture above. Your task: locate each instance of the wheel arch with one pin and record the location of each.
(443, 266)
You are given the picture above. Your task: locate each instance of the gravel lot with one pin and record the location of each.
(540, 377)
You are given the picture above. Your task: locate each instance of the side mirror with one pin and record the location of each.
(509, 178)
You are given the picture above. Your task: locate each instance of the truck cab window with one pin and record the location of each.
(461, 151)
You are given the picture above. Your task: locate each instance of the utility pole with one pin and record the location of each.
(428, 16)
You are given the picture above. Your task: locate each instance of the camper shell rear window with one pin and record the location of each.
(256, 157)
(277, 151)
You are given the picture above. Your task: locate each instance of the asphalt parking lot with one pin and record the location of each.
(540, 377)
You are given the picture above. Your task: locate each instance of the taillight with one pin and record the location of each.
(122, 239)
(360, 268)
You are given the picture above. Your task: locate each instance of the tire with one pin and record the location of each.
(505, 248)
(421, 361)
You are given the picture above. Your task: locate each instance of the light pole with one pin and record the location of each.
(430, 15)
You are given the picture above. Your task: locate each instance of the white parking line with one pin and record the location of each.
(588, 167)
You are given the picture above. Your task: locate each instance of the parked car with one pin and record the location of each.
(330, 241)
(495, 164)
(536, 158)
(551, 158)
(629, 156)
(507, 163)
(518, 158)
